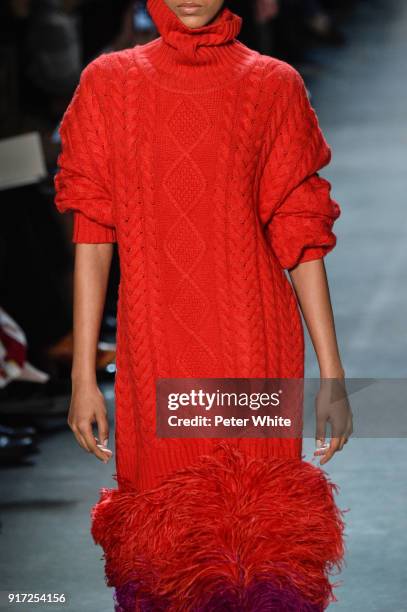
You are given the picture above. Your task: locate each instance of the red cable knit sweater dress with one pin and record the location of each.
(200, 158)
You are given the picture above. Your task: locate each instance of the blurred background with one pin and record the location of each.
(351, 54)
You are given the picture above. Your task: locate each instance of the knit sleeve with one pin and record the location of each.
(82, 182)
(295, 203)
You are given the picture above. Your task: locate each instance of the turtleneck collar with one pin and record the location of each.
(222, 30)
(187, 59)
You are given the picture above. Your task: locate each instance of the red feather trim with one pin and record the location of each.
(224, 522)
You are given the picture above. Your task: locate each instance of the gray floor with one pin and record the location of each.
(361, 101)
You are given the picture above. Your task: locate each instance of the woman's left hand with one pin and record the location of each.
(332, 406)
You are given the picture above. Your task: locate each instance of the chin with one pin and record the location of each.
(193, 21)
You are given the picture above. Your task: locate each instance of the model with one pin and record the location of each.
(200, 158)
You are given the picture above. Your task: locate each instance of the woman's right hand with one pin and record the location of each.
(86, 408)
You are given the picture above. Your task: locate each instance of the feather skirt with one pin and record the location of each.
(228, 533)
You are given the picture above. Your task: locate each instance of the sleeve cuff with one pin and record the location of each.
(311, 254)
(86, 230)
(304, 244)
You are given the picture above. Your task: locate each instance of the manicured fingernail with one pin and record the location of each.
(104, 449)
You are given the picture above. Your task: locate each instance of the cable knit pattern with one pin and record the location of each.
(83, 183)
(201, 161)
(295, 201)
(200, 158)
(210, 192)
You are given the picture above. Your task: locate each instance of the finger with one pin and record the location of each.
(103, 435)
(87, 433)
(321, 449)
(320, 432)
(333, 447)
(341, 443)
(103, 429)
(80, 439)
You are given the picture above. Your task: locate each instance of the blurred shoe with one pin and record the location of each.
(32, 374)
(62, 351)
(13, 450)
(20, 397)
(18, 432)
(22, 402)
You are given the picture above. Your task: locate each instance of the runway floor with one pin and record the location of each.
(360, 93)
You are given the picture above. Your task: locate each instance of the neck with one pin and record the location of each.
(185, 57)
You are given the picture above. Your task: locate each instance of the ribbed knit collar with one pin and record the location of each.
(223, 29)
(194, 58)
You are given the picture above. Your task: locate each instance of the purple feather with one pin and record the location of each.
(259, 596)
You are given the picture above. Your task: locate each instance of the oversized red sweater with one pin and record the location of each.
(200, 158)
